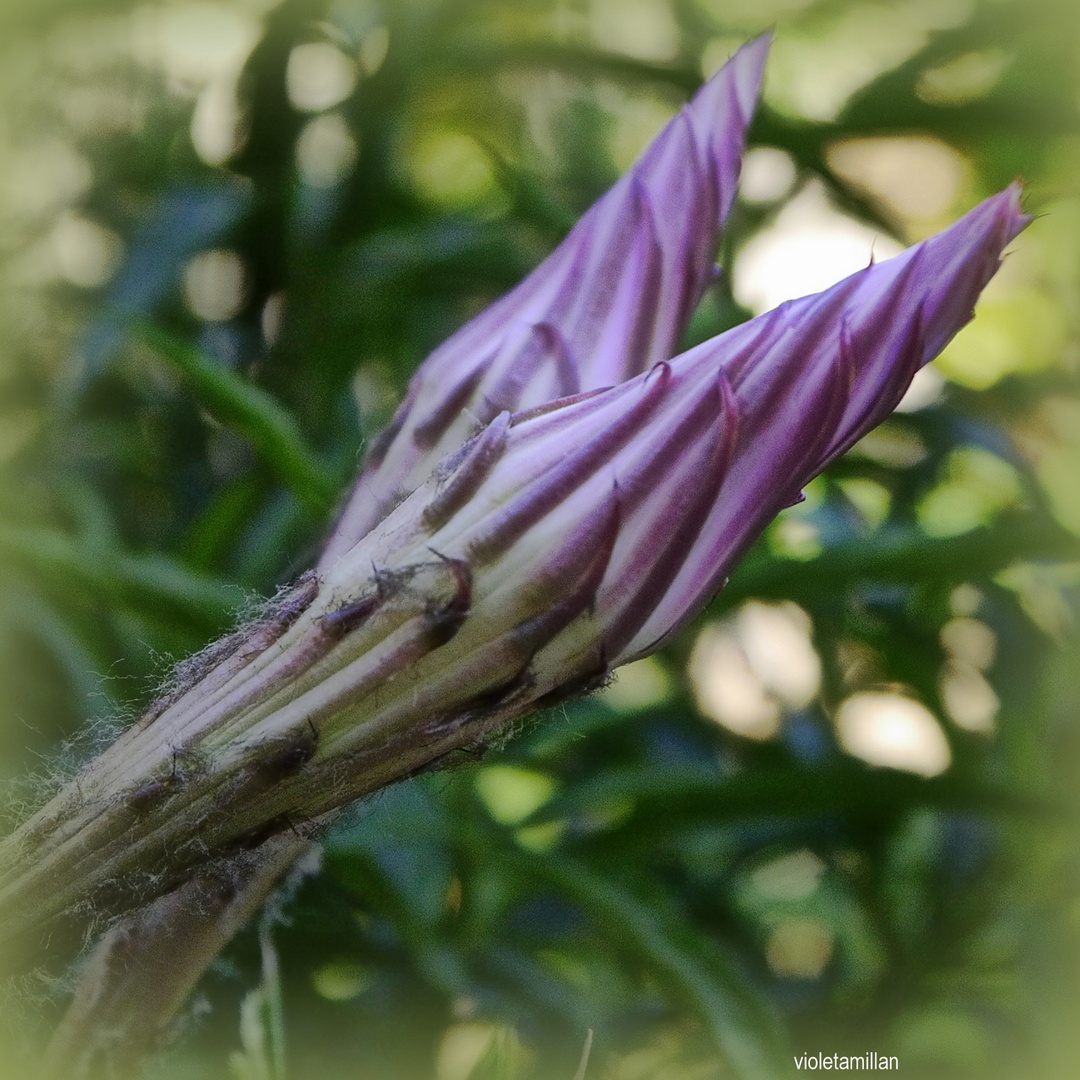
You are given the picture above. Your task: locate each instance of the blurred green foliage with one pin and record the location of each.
(230, 233)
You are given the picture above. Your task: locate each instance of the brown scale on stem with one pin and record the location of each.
(337, 624)
(149, 795)
(446, 621)
(257, 837)
(483, 705)
(580, 686)
(290, 755)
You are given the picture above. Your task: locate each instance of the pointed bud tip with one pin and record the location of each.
(751, 57)
(758, 48)
(749, 69)
(982, 233)
(741, 78)
(1007, 207)
(955, 265)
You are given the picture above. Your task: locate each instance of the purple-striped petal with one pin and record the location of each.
(611, 300)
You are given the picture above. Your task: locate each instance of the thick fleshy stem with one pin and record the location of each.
(358, 692)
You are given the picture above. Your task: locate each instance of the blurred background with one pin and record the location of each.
(839, 814)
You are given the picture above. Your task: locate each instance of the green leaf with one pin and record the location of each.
(235, 402)
(153, 582)
(665, 796)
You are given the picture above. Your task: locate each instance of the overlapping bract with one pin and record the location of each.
(611, 300)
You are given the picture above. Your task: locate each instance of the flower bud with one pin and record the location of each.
(610, 301)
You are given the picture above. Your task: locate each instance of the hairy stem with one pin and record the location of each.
(349, 684)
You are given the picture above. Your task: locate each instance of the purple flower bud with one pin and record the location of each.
(611, 300)
(674, 473)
